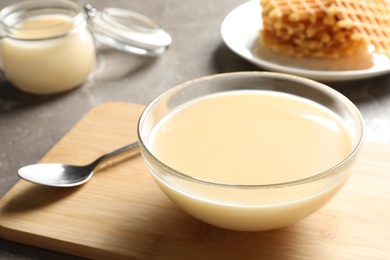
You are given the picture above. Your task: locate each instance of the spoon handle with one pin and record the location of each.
(130, 150)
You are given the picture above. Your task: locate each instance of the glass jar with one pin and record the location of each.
(48, 46)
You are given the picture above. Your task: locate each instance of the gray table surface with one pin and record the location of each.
(31, 124)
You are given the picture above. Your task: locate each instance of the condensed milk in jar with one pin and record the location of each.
(48, 46)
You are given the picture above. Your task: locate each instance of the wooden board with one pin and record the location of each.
(121, 213)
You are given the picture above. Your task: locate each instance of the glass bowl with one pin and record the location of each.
(242, 203)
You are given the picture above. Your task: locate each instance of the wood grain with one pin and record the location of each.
(121, 213)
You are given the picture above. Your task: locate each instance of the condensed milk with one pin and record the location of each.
(247, 160)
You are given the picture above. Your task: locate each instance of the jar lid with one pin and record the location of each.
(128, 31)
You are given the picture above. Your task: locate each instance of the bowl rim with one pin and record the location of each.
(284, 76)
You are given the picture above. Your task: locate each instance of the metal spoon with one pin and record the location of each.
(64, 175)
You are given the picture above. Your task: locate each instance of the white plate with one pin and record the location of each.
(240, 32)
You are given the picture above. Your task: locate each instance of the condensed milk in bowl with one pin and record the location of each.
(250, 151)
(49, 46)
